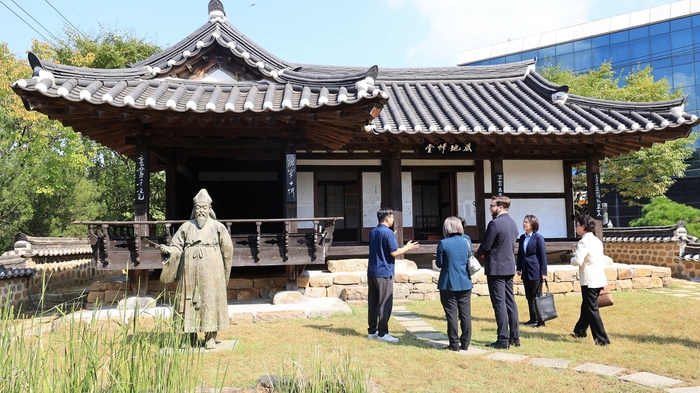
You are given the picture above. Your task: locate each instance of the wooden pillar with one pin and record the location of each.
(290, 210)
(569, 200)
(391, 170)
(139, 277)
(497, 178)
(595, 204)
(479, 195)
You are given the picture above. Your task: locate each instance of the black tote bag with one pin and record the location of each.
(545, 306)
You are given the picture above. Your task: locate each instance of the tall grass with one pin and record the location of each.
(73, 354)
(329, 372)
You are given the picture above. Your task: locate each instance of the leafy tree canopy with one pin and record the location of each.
(663, 211)
(637, 175)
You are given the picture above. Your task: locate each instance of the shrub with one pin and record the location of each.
(663, 211)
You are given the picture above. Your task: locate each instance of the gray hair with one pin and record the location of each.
(451, 226)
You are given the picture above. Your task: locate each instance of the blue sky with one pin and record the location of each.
(389, 33)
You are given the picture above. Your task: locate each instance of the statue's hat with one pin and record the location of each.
(202, 197)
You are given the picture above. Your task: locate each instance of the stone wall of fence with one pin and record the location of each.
(347, 279)
(663, 254)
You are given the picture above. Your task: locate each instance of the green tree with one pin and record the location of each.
(638, 175)
(42, 166)
(663, 211)
(112, 173)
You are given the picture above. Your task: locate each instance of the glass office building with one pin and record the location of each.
(666, 37)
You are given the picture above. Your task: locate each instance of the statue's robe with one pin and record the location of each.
(203, 258)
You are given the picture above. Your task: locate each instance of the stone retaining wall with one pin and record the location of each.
(663, 254)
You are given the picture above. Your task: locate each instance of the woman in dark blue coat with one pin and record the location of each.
(532, 265)
(454, 282)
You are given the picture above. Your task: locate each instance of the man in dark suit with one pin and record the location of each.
(497, 250)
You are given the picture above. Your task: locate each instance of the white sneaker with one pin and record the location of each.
(373, 336)
(388, 338)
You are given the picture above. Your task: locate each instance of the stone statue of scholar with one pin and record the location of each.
(199, 258)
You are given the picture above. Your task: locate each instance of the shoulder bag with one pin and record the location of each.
(605, 298)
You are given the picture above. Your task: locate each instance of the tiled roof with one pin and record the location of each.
(491, 103)
(646, 234)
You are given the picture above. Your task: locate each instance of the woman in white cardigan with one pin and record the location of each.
(591, 270)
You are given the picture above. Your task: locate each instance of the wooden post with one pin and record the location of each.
(569, 200)
(595, 204)
(139, 277)
(479, 195)
(391, 189)
(497, 177)
(290, 210)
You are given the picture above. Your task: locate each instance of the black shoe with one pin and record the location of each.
(530, 322)
(576, 335)
(515, 343)
(497, 345)
(464, 347)
(539, 325)
(601, 342)
(451, 348)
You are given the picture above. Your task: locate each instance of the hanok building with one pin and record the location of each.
(272, 139)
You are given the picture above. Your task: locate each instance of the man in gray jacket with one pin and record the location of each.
(497, 249)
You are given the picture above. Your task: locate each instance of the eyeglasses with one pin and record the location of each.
(493, 205)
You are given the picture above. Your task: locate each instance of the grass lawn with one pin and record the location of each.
(649, 332)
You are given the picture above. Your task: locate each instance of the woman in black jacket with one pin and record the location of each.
(532, 265)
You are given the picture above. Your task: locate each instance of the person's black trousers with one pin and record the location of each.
(533, 289)
(380, 300)
(457, 306)
(504, 308)
(590, 316)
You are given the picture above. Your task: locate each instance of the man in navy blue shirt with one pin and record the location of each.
(383, 250)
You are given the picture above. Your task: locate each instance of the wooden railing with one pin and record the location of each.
(116, 244)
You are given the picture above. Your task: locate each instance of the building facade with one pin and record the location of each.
(666, 37)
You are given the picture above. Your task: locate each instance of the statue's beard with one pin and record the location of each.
(201, 220)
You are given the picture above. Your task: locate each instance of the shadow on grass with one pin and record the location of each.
(405, 338)
(442, 318)
(647, 339)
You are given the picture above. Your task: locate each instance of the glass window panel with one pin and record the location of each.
(684, 59)
(660, 45)
(661, 62)
(564, 48)
(546, 54)
(529, 55)
(682, 41)
(681, 24)
(620, 36)
(697, 73)
(660, 73)
(513, 58)
(583, 60)
(683, 76)
(659, 28)
(639, 50)
(599, 41)
(601, 55)
(566, 61)
(620, 54)
(500, 60)
(639, 32)
(695, 19)
(582, 45)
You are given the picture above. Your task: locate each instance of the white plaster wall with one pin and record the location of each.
(371, 198)
(305, 198)
(407, 198)
(551, 214)
(466, 197)
(533, 176)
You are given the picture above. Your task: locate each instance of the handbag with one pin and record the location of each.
(545, 306)
(605, 298)
(473, 265)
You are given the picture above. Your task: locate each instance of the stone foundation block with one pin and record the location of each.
(247, 294)
(348, 265)
(424, 288)
(401, 291)
(480, 289)
(315, 292)
(334, 291)
(416, 296)
(624, 284)
(354, 293)
(421, 277)
(273, 316)
(346, 279)
(321, 280)
(561, 287)
(565, 275)
(303, 280)
(611, 274)
(242, 318)
(432, 296)
(267, 282)
(641, 282)
(660, 272)
(401, 277)
(642, 272)
(239, 283)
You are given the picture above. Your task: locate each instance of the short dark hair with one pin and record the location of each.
(383, 213)
(534, 222)
(501, 200)
(587, 222)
